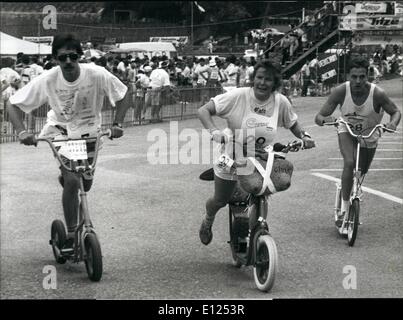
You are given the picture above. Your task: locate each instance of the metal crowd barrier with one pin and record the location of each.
(179, 103)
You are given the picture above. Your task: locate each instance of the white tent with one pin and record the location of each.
(10, 46)
(149, 48)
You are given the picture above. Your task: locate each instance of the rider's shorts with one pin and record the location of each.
(369, 143)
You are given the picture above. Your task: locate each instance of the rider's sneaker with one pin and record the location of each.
(205, 233)
(339, 220)
(68, 247)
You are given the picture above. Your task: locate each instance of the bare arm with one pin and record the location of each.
(383, 101)
(300, 133)
(15, 117)
(121, 108)
(297, 130)
(330, 105)
(205, 115)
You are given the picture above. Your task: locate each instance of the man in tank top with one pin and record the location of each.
(362, 104)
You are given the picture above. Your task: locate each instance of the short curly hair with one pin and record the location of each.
(272, 68)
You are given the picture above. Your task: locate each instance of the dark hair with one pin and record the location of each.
(358, 62)
(6, 62)
(270, 68)
(101, 61)
(25, 59)
(35, 59)
(66, 41)
(231, 59)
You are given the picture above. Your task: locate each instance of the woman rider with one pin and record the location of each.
(260, 107)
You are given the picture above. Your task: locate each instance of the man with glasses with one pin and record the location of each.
(75, 93)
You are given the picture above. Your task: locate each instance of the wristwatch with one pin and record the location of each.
(213, 131)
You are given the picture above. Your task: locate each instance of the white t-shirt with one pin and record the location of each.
(187, 72)
(249, 74)
(202, 73)
(38, 69)
(144, 81)
(234, 105)
(76, 105)
(8, 76)
(159, 78)
(231, 72)
(244, 112)
(215, 73)
(121, 66)
(27, 74)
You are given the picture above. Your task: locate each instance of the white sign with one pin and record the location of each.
(398, 8)
(327, 60)
(176, 41)
(370, 7)
(329, 74)
(45, 40)
(74, 150)
(50, 20)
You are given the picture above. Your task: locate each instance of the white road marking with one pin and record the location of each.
(372, 159)
(389, 142)
(366, 189)
(398, 169)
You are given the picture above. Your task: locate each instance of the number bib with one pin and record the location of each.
(74, 150)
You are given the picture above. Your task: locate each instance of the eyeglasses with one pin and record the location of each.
(63, 57)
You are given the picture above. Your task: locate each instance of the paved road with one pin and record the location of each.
(148, 218)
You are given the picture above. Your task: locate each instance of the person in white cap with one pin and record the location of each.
(203, 75)
(213, 83)
(159, 83)
(142, 83)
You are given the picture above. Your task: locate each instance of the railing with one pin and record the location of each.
(303, 25)
(180, 103)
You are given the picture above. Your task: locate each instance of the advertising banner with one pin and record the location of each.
(45, 40)
(379, 22)
(370, 7)
(176, 41)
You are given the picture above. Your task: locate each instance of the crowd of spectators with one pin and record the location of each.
(152, 81)
(161, 80)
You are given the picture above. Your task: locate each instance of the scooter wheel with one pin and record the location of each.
(265, 268)
(240, 227)
(93, 258)
(353, 221)
(57, 240)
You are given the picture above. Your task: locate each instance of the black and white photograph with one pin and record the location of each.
(206, 156)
